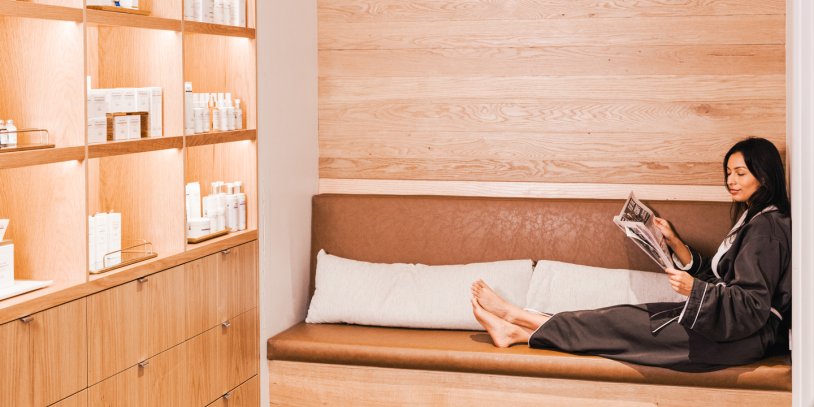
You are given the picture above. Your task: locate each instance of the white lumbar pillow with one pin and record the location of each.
(556, 287)
(409, 295)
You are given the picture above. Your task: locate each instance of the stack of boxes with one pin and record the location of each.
(124, 114)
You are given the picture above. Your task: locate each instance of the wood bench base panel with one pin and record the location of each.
(314, 384)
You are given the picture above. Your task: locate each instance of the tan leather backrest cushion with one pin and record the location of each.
(456, 230)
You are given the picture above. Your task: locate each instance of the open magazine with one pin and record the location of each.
(636, 220)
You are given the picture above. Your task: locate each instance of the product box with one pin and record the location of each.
(97, 130)
(97, 103)
(133, 127)
(6, 264)
(130, 102)
(117, 127)
(143, 99)
(156, 113)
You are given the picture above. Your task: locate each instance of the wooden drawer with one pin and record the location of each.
(134, 321)
(220, 287)
(245, 395)
(223, 357)
(43, 357)
(237, 280)
(158, 381)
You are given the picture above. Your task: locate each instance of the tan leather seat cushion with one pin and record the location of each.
(468, 351)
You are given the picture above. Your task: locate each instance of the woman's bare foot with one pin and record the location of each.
(503, 333)
(493, 303)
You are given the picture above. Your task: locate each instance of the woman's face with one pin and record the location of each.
(740, 182)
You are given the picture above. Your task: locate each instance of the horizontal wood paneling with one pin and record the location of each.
(746, 29)
(628, 116)
(523, 88)
(612, 172)
(563, 61)
(418, 94)
(529, 145)
(434, 10)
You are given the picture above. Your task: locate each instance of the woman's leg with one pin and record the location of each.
(502, 332)
(501, 308)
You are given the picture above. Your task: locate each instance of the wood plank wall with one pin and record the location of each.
(562, 98)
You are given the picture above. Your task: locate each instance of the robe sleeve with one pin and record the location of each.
(723, 311)
(698, 267)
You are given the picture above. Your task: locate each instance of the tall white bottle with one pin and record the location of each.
(238, 115)
(230, 113)
(189, 118)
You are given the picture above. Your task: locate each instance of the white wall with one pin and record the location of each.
(288, 162)
(801, 148)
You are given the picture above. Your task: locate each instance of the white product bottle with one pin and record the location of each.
(197, 10)
(11, 130)
(215, 112)
(227, 12)
(230, 113)
(236, 10)
(3, 134)
(232, 212)
(218, 11)
(223, 113)
(198, 113)
(209, 11)
(207, 105)
(241, 214)
(189, 119)
(238, 115)
(189, 10)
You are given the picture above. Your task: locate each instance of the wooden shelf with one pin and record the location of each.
(242, 236)
(14, 8)
(44, 156)
(218, 137)
(218, 29)
(113, 148)
(116, 19)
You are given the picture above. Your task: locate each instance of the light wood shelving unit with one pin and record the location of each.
(49, 48)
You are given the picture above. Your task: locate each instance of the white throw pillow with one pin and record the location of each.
(409, 295)
(556, 287)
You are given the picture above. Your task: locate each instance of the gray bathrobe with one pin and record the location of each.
(731, 317)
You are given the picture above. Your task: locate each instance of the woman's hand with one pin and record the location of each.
(680, 281)
(667, 231)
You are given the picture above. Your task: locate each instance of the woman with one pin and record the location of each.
(737, 304)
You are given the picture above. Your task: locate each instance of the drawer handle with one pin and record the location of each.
(227, 396)
(142, 280)
(143, 364)
(227, 251)
(226, 324)
(26, 319)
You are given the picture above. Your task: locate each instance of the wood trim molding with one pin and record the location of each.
(523, 189)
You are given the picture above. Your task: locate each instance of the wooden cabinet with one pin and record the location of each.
(44, 356)
(246, 395)
(202, 294)
(223, 357)
(158, 381)
(135, 321)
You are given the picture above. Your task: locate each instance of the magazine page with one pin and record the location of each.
(636, 220)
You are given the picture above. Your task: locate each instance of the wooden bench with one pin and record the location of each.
(331, 364)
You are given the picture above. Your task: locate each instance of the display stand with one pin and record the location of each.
(129, 255)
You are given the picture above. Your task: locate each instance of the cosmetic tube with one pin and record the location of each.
(189, 119)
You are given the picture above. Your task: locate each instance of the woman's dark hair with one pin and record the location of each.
(764, 162)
